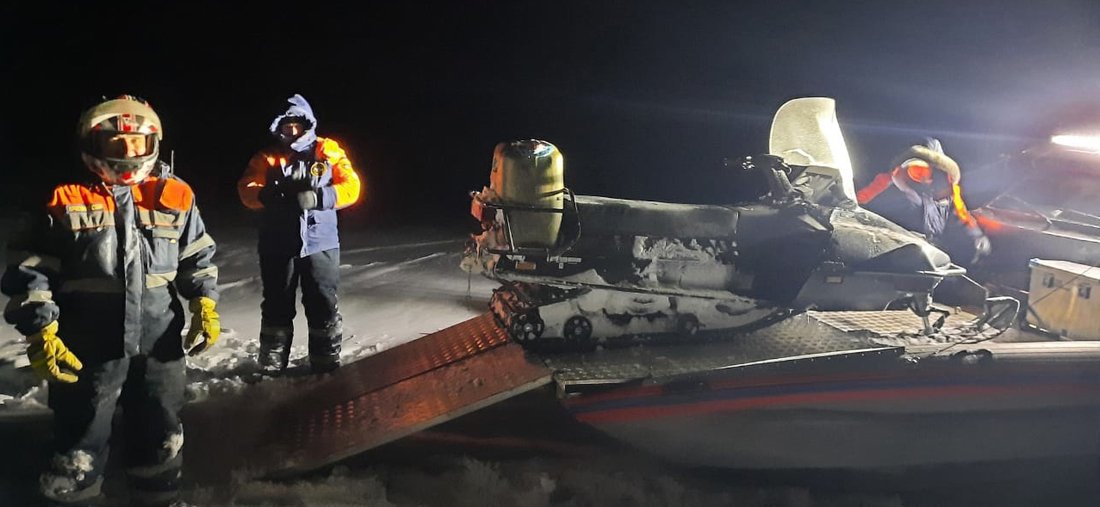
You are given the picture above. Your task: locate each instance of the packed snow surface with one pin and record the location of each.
(396, 286)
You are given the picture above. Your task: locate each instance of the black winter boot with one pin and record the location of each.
(324, 364)
(324, 348)
(274, 352)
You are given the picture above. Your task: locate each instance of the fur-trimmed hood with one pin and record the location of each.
(298, 108)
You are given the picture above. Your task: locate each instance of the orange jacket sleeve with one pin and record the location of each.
(960, 210)
(253, 180)
(346, 184)
(876, 187)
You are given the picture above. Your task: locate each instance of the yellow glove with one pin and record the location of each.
(205, 326)
(47, 353)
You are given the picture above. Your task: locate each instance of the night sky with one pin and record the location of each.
(643, 98)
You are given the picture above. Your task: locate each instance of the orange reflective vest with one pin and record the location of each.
(108, 262)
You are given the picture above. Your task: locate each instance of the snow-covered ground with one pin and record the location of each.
(401, 284)
(396, 286)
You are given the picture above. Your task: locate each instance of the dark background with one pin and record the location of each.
(643, 98)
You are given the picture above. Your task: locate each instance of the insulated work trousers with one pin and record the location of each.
(151, 394)
(319, 275)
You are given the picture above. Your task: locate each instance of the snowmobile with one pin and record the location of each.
(585, 270)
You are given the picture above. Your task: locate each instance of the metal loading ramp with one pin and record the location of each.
(807, 337)
(292, 425)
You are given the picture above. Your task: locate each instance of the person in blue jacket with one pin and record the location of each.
(94, 283)
(297, 185)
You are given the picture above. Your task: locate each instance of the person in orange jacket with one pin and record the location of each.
(297, 185)
(94, 285)
(929, 179)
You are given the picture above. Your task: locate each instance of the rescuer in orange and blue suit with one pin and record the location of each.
(929, 179)
(297, 186)
(93, 284)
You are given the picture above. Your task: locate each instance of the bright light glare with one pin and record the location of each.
(1078, 142)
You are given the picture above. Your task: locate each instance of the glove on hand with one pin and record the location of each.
(270, 195)
(294, 185)
(47, 352)
(205, 326)
(982, 247)
(307, 199)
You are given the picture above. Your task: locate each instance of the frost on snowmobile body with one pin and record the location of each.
(606, 268)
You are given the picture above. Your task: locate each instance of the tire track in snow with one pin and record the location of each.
(362, 273)
(400, 246)
(256, 278)
(237, 283)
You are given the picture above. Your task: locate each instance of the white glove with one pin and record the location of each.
(982, 247)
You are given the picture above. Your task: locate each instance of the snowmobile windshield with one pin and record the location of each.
(805, 132)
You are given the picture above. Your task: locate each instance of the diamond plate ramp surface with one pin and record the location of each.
(297, 424)
(435, 350)
(342, 427)
(800, 335)
(888, 322)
